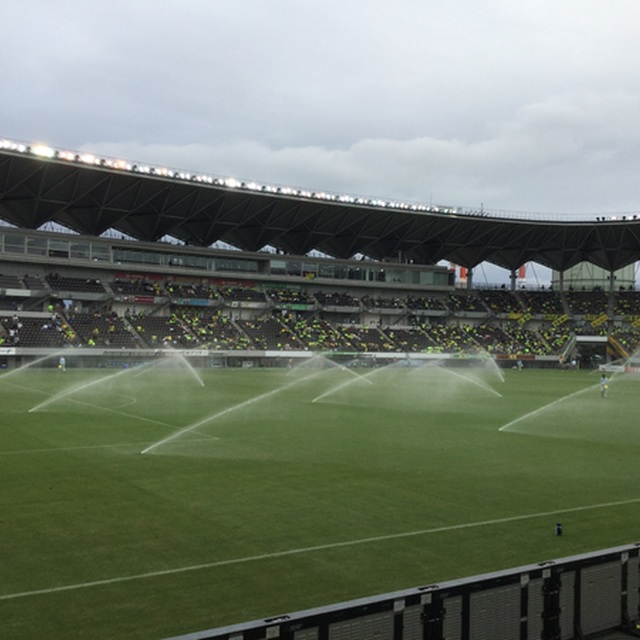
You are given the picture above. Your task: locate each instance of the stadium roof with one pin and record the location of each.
(90, 195)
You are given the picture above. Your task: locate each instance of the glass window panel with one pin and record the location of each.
(13, 243)
(278, 267)
(58, 249)
(340, 272)
(309, 268)
(80, 250)
(294, 268)
(235, 264)
(100, 252)
(37, 246)
(325, 271)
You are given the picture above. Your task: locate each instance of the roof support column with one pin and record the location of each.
(611, 300)
(512, 279)
(612, 280)
(469, 279)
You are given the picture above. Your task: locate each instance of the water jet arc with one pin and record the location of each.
(224, 412)
(76, 388)
(505, 427)
(12, 372)
(486, 387)
(174, 353)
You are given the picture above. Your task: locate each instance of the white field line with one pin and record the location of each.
(81, 387)
(96, 406)
(25, 388)
(120, 413)
(303, 550)
(206, 438)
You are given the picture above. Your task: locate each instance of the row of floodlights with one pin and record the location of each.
(44, 151)
(621, 218)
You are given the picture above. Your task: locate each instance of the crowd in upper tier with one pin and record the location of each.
(206, 315)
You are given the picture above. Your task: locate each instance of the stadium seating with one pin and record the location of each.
(138, 311)
(59, 283)
(587, 302)
(100, 330)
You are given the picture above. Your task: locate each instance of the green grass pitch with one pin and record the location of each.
(263, 492)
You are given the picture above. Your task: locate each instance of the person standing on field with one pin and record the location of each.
(604, 385)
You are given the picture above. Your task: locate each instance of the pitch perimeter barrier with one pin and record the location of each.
(91, 357)
(577, 597)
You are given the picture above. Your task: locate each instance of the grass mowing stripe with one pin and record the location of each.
(321, 547)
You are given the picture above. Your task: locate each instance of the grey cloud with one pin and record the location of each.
(528, 106)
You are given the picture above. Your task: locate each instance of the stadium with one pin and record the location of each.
(229, 401)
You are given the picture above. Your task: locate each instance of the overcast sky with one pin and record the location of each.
(516, 106)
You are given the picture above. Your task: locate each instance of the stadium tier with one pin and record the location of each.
(47, 306)
(227, 266)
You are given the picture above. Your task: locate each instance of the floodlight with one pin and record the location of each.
(161, 171)
(14, 146)
(66, 155)
(88, 158)
(43, 151)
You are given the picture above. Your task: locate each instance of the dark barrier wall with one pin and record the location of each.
(574, 597)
